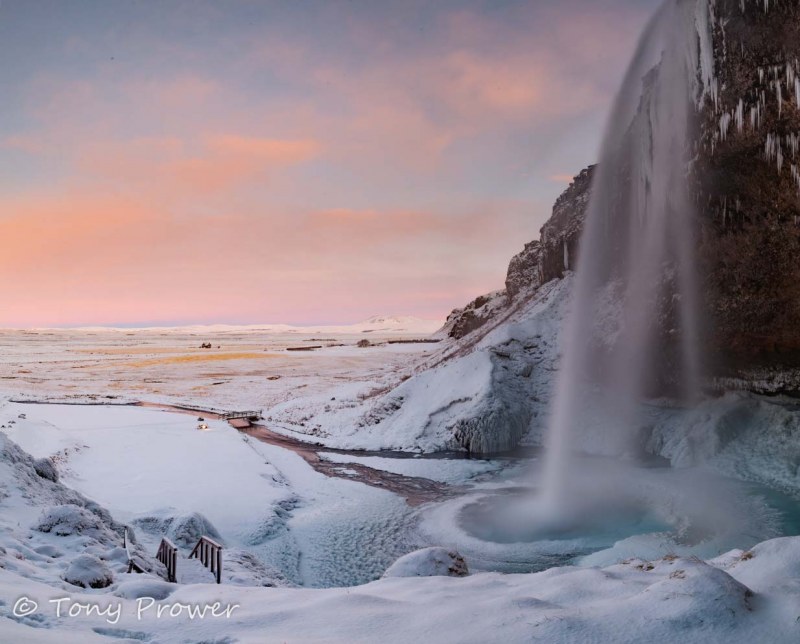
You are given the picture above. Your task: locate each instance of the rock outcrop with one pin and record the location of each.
(561, 233)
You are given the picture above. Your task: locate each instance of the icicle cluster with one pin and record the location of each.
(775, 87)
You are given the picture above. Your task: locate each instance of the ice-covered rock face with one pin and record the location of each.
(429, 562)
(44, 467)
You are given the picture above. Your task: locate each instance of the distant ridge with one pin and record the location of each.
(396, 324)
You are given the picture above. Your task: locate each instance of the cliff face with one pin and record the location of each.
(561, 233)
(749, 183)
(539, 262)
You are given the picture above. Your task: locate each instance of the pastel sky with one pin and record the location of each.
(247, 161)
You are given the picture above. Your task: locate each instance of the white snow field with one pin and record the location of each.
(148, 467)
(154, 469)
(304, 552)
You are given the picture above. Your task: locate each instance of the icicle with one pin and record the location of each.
(724, 123)
(703, 19)
(740, 116)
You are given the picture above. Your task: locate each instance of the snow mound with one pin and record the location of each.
(43, 524)
(87, 571)
(186, 530)
(429, 562)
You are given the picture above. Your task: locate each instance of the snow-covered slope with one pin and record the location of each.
(482, 393)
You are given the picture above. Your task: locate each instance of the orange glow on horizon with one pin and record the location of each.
(263, 171)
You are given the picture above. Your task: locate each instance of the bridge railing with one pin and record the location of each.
(249, 415)
(168, 555)
(210, 554)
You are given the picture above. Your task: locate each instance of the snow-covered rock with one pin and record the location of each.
(429, 562)
(87, 571)
(44, 467)
(69, 519)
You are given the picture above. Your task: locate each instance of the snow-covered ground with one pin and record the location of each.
(740, 597)
(241, 370)
(52, 538)
(285, 524)
(154, 468)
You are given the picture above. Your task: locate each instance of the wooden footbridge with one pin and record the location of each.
(207, 551)
(242, 415)
(222, 414)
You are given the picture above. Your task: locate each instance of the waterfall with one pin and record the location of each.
(635, 271)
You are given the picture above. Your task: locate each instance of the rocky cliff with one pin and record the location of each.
(542, 260)
(749, 181)
(747, 184)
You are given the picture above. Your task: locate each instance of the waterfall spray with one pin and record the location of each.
(635, 273)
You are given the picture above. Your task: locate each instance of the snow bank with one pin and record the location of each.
(452, 471)
(488, 399)
(743, 435)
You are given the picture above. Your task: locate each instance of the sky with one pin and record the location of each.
(253, 161)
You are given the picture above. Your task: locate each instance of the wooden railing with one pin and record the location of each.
(126, 546)
(168, 555)
(210, 554)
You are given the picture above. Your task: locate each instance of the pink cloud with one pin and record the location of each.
(209, 165)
